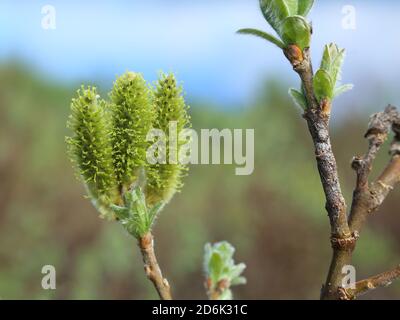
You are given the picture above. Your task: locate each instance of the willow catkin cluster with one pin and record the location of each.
(109, 144)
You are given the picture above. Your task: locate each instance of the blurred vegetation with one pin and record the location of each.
(275, 218)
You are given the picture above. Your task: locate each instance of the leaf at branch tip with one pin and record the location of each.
(295, 30)
(342, 89)
(120, 212)
(220, 267)
(304, 7)
(291, 6)
(323, 86)
(263, 35)
(275, 11)
(135, 216)
(298, 98)
(155, 210)
(238, 281)
(332, 61)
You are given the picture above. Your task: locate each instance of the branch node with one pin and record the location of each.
(346, 243)
(294, 54)
(357, 163)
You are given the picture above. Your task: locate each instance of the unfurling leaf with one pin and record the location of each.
(291, 6)
(287, 18)
(332, 61)
(221, 271)
(295, 30)
(275, 11)
(135, 215)
(323, 86)
(304, 7)
(263, 35)
(342, 89)
(298, 98)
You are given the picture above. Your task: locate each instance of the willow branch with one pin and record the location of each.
(361, 287)
(368, 197)
(151, 267)
(317, 116)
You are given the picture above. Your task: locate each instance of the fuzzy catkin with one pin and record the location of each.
(132, 116)
(163, 180)
(89, 146)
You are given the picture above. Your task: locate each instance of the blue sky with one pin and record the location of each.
(96, 40)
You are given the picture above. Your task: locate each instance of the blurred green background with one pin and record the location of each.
(275, 217)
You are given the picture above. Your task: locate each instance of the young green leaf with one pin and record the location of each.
(323, 86)
(292, 6)
(332, 61)
(135, 216)
(275, 11)
(221, 271)
(295, 30)
(238, 281)
(304, 7)
(298, 98)
(342, 89)
(263, 35)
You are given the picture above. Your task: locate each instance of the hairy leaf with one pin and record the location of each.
(298, 98)
(292, 6)
(238, 281)
(323, 86)
(332, 61)
(275, 11)
(342, 89)
(304, 7)
(135, 216)
(295, 30)
(219, 266)
(263, 35)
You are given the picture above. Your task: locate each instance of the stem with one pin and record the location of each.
(369, 199)
(361, 287)
(214, 293)
(151, 267)
(317, 116)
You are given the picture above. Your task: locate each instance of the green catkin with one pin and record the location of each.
(132, 116)
(109, 148)
(89, 146)
(163, 180)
